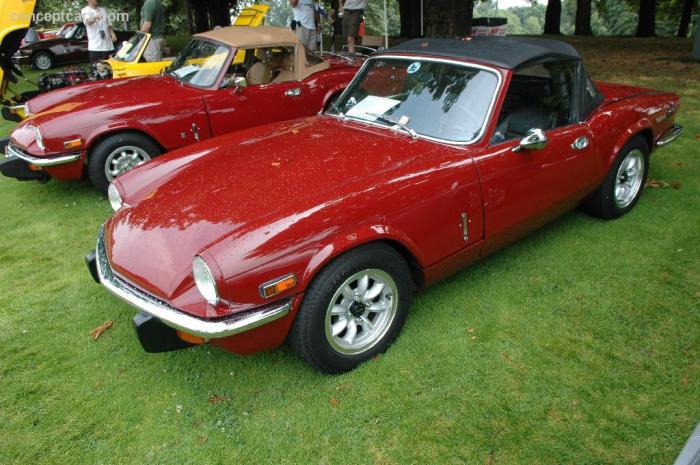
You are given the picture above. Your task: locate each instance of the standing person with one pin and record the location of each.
(101, 36)
(306, 22)
(336, 22)
(352, 16)
(153, 22)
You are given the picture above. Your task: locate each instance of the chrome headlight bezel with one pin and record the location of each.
(115, 199)
(204, 280)
(39, 139)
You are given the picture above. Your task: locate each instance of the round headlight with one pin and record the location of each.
(204, 281)
(115, 200)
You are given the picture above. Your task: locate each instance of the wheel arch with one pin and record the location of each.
(642, 128)
(97, 138)
(345, 243)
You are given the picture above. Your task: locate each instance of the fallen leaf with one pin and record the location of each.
(202, 440)
(334, 402)
(685, 380)
(676, 184)
(473, 338)
(217, 399)
(97, 332)
(490, 459)
(276, 164)
(697, 137)
(197, 423)
(471, 330)
(656, 183)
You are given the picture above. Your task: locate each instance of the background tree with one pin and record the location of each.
(646, 23)
(686, 14)
(583, 18)
(552, 17)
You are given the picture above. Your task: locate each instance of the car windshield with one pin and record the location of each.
(200, 63)
(129, 50)
(441, 100)
(69, 31)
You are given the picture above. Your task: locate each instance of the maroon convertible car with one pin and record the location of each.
(317, 231)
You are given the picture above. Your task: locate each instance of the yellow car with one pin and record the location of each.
(129, 62)
(15, 18)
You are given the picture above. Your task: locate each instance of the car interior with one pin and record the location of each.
(264, 66)
(540, 96)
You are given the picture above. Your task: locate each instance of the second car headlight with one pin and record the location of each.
(115, 200)
(204, 280)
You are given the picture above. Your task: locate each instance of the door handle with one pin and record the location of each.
(293, 92)
(581, 143)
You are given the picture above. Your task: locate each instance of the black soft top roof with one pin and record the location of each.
(506, 52)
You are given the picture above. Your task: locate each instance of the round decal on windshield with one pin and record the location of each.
(413, 67)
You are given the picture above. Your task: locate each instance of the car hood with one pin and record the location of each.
(108, 96)
(238, 191)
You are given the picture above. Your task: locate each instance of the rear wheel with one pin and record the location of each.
(42, 61)
(354, 309)
(117, 154)
(625, 181)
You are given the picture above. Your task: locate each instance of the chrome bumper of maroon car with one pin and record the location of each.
(208, 329)
(11, 151)
(669, 136)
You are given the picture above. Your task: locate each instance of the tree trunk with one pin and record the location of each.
(646, 26)
(583, 18)
(409, 11)
(447, 18)
(201, 15)
(220, 12)
(685, 18)
(552, 17)
(188, 16)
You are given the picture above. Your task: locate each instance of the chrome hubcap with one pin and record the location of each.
(123, 159)
(629, 177)
(43, 62)
(361, 311)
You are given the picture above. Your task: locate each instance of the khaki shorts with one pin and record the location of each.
(351, 23)
(306, 36)
(154, 50)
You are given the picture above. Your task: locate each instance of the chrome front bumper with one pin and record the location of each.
(669, 136)
(12, 151)
(171, 316)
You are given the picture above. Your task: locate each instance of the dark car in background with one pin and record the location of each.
(70, 47)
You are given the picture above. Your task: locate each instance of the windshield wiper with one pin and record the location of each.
(396, 123)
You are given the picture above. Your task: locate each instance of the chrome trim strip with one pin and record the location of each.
(11, 151)
(487, 118)
(669, 136)
(208, 329)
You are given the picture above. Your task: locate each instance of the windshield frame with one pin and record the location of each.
(487, 118)
(227, 62)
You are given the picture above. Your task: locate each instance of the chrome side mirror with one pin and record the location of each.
(535, 139)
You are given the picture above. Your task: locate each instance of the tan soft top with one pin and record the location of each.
(246, 37)
(266, 36)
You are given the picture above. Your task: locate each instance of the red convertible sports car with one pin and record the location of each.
(317, 231)
(224, 80)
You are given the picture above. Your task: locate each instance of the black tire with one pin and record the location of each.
(100, 153)
(602, 203)
(43, 61)
(308, 334)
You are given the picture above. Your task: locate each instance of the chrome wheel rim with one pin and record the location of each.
(629, 177)
(124, 159)
(361, 311)
(43, 62)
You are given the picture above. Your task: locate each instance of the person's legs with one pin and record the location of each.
(351, 27)
(154, 50)
(96, 57)
(306, 37)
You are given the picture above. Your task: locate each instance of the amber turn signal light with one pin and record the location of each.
(191, 338)
(73, 144)
(278, 286)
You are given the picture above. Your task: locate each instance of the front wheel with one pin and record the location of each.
(117, 154)
(42, 61)
(354, 309)
(624, 183)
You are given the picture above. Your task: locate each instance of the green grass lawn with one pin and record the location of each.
(577, 345)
